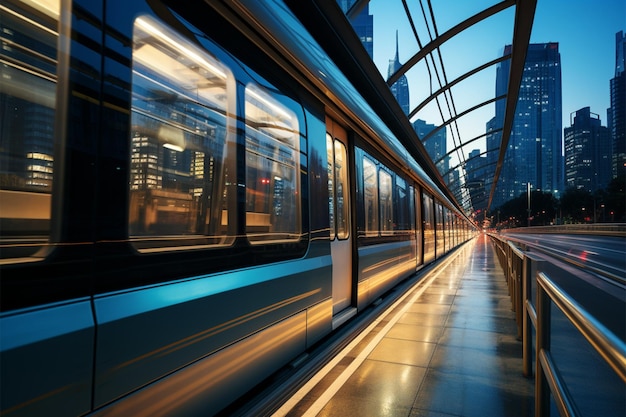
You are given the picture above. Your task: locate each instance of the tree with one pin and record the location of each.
(615, 200)
(577, 206)
(543, 208)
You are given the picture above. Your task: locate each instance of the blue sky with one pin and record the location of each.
(584, 30)
(586, 35)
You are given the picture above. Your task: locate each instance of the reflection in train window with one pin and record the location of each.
(370, 196)
(428, 226)
(342, 190)
(338, 189)
(402, 216)
(439, 228)
(28, 107)
(272, 169)
(181, 143)
(385, 202)
(330, 153)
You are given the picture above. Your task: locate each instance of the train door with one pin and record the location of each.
(428, 228)
(417, 224)
(340, 222)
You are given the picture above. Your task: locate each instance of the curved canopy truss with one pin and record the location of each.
(454, 50)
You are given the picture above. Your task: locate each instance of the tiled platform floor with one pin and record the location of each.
(448, 349)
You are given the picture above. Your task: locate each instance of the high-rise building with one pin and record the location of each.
(435, 145)
(587, 152)
(27, 105)
(363, 25)
(616, 114)
(493, 139)
(400, 88)
(534, 152)
(476, 171)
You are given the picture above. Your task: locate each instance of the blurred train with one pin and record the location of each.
(191, 196)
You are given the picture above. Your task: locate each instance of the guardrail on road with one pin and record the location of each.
(598, 229)
(545, 310)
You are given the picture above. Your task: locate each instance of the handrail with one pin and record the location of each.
(606, 343)
(567, 258)
(598, 229)
(562, 400)
(515, 249)
(529, 281)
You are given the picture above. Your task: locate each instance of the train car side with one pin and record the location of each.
(207, 206)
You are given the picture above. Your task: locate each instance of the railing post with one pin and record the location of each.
(515, 262)
(531, 266)
(519, 309)
(509, 273)
(542, 389)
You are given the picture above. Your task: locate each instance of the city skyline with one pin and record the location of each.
(534, 154)
(587, 152)
(588, 56)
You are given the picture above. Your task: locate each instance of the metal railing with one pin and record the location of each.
(597, 229)
(533, 293)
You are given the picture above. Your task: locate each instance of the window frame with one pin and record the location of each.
(276, 132)
(171, 133)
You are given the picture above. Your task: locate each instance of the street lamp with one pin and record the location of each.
(528, 194)
(603, 213)
(583, 214)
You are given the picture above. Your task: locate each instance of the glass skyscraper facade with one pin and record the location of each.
(587, 152)
(435, 146)
(616, 114)
(400, 88)
(477, 171)
(363, 25)
(535, 153)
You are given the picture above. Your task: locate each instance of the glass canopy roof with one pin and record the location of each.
(447, 53)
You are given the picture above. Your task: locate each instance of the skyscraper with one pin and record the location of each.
(616, 114)
(534, 152)
(493, 138)
(435, 145)
(587, 152)
(400, 88)
(477, 171)
(363, 25)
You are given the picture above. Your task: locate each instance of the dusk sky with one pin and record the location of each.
(586, 36)
(585, 33)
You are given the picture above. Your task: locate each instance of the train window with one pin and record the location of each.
(439, 228)
(272, 169)
(338, 198)
(370, 191)
(385, 192)
(428, 210)
(342, 189)
(182, 141)
(28, 108)
(446, 227)
(331, 184)
(403, 218)
(410, 210)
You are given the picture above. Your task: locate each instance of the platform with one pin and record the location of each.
(447, 348)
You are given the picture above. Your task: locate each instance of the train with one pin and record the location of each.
(192, 195)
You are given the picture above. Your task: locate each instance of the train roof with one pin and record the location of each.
(276, 22)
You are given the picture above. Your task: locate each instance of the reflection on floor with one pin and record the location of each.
(449, 349)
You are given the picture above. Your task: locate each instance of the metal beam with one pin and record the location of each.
(356, 8)
(454, 82)
(452, 119)
(450, 152)
(524, 17)
(332, 30)
(441, 39)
